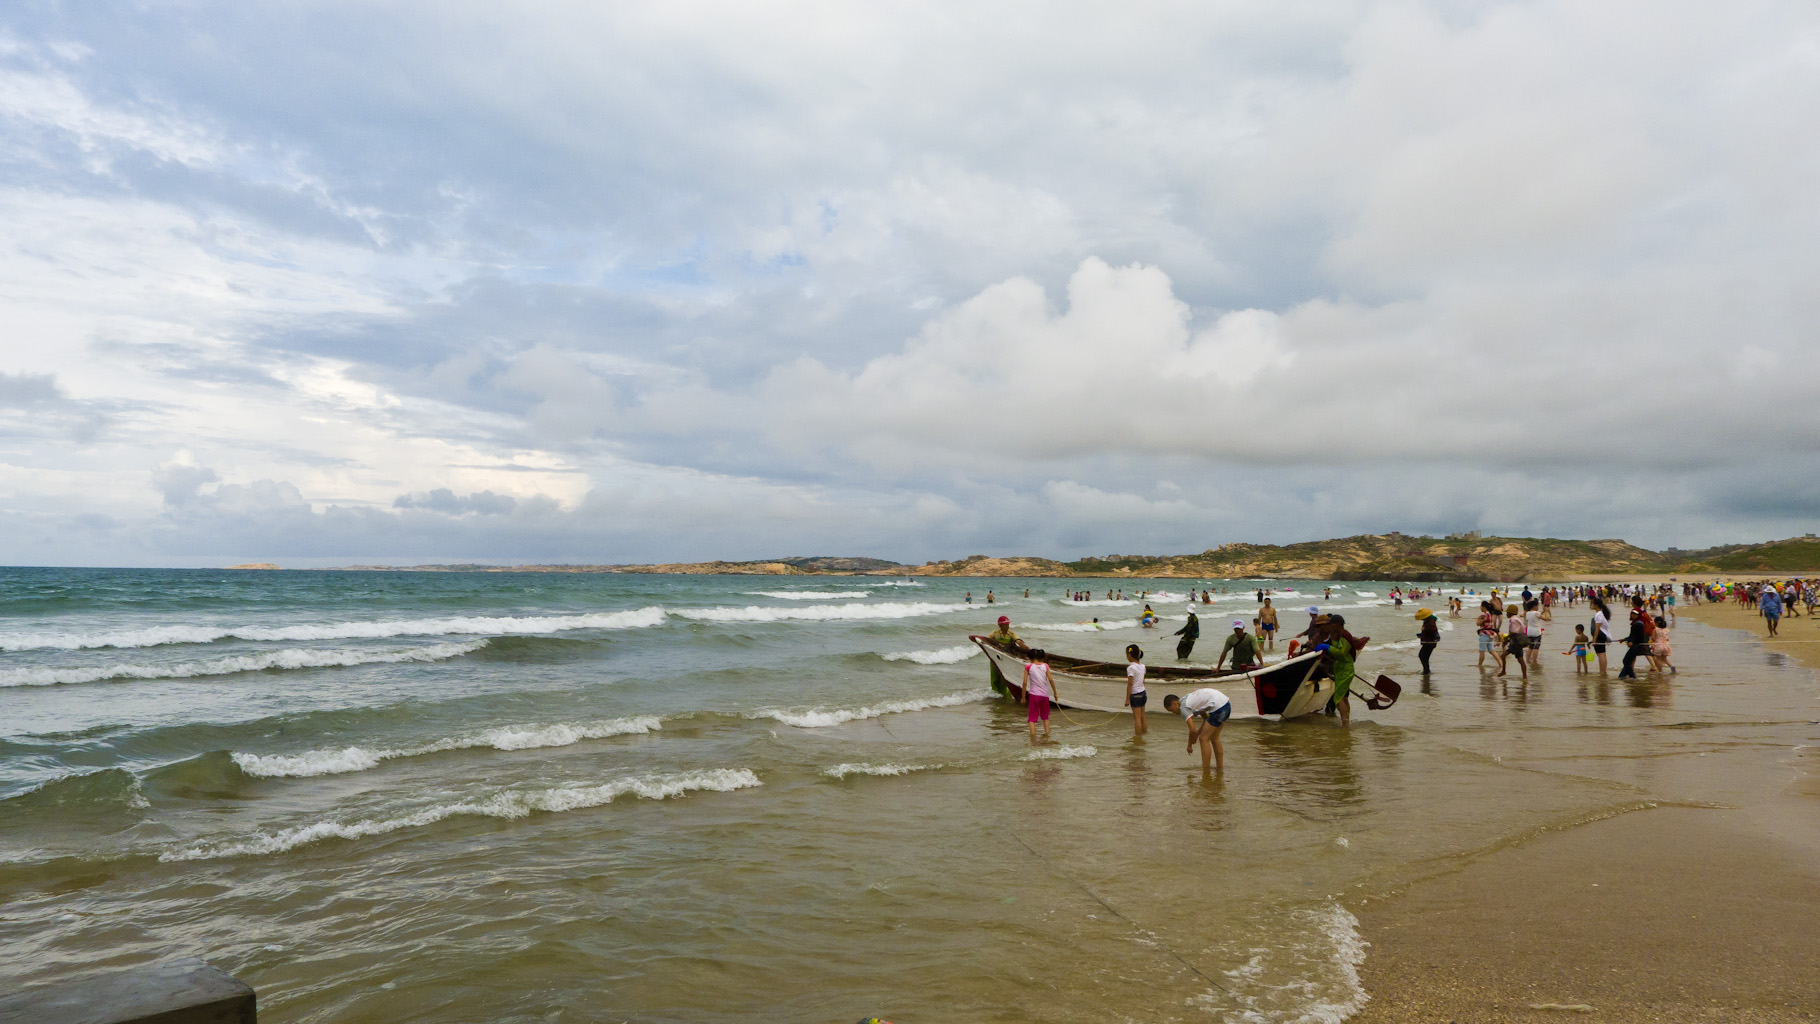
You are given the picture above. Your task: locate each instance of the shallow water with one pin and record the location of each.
(537, 797)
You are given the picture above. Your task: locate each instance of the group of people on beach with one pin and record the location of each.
(1507, 627)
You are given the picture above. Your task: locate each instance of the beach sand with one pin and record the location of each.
(1705, 907)
(1799, 638)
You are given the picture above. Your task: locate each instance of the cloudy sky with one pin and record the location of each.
(388, 281)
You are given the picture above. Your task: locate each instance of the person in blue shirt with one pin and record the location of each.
(1770, 604)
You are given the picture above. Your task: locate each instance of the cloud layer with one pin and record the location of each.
(322, 283)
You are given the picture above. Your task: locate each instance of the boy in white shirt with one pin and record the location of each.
(1206, 711)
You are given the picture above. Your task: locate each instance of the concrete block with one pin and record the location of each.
(185, 991)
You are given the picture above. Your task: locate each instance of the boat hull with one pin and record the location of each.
(1286, 689)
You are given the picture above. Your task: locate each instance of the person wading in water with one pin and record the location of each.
(1189, 634)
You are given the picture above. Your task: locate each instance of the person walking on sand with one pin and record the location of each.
(1135, 696)
(1206, 711)
(1428, 637)
(1190, 632)
(1770, 607)
(1039, 690)
(1267, 617)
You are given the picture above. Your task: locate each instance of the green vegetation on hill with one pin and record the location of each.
(1799, 554)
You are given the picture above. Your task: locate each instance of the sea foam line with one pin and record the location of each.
(473, 625)
(944, 656)
(1060, 753)
(508, 804)
(810, 595)
(506, 737)
(820, 719)
(821, 612)
(290, 658)
(841, 771)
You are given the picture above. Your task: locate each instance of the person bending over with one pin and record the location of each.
(1206, 711)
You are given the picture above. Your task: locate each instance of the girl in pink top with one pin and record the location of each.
(1039, 689)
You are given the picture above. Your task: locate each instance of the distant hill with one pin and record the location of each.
(1390, 556)
(1795, 555)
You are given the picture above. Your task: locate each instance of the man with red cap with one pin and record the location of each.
(1004, 637)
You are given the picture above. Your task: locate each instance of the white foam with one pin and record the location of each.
(290, 658)
(897, 583)
(507, 737)
(822, 612)
(1318, 979)
(944, 656)
(507, 804)
(809, 595)
(1084, 627)
(473, 625)
(1366, 593)
(1057, 753)
(841, 771)
(819, 719)
(1098, 601)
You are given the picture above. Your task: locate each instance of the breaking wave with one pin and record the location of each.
(290, 658)
(819, 719)
(509, 737)
(474, 625)
(508, 804)
(944, 656)
(810, 595)
(820, 612)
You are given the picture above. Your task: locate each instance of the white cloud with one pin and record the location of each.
(939, 276)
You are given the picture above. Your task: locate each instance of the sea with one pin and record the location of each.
(542, 797)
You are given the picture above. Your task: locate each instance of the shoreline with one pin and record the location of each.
(1701, 904)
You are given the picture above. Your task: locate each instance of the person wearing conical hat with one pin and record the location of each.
(1428, 636)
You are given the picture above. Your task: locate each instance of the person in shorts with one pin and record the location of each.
(1039, 690)
(1488, 631)
(1135, 696)
(1267, 617)
(1206, 711)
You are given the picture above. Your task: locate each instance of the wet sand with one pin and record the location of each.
(1799, 638)
(1704, 907)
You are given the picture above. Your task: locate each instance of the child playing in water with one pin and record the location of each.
(1039, 689)
(1135, 696)
(1578, 651)
(1659, 649)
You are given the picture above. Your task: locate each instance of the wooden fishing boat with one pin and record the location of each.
(1290, 688)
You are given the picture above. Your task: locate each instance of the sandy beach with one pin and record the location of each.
(1701, 905)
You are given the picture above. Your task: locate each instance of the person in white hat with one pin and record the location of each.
(1242, 647)
(1190, 632)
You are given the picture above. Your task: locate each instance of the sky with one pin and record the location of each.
(329, 282)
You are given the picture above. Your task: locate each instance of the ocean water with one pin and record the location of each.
(554, 797)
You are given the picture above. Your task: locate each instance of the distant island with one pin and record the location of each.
(1461, 558)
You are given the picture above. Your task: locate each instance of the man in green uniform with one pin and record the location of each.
(1241, 646)
(1340, 650)
(1004, 637)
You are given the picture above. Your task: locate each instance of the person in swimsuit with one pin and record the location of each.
(1039, 690)
(1135, 696)
(1206, 711)
(1267, 617)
